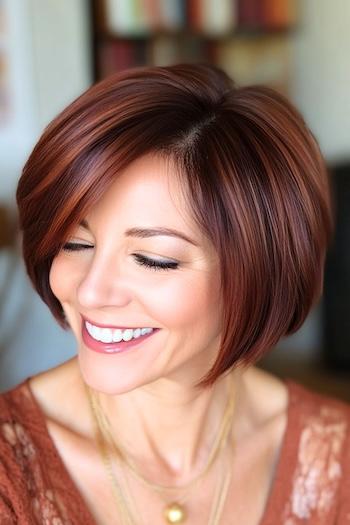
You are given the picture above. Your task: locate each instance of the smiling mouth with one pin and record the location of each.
(114, 340)
(115, 335)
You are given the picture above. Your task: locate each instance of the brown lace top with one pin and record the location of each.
(311, 484)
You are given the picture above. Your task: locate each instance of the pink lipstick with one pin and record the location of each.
(113, 347)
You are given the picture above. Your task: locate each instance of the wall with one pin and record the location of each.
(50, 65)
(17, 134)
(320, 83)
(61, 50)
(321, 77)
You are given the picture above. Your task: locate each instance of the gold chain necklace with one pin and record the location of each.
(216, 508)
(224, 429)
(173, 512)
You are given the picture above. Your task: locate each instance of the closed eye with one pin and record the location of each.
(75, 246)
(141, 259)
(155, 265)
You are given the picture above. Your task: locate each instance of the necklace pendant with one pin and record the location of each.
(174, 513)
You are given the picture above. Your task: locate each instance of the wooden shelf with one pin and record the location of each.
(246, 48)
(239, 32)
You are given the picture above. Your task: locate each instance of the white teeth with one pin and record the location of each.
(109, 335)
(127, 334)
(137, 333)
(146, 331)
(106, 335)
(117, 335)
(93, 331)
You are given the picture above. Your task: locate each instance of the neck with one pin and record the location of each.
(167, 427)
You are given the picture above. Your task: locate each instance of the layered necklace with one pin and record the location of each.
(174, 511)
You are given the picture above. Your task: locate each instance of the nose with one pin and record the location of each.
(103, 285)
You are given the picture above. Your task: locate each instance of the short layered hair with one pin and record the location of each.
(254, 179)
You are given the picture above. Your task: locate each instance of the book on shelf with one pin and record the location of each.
(171, 14)
(120, 54)
(142, 17)
(266, 14)
(163, 32)
(279, 14)
(249, 13)
(127, 17)
(211, 18)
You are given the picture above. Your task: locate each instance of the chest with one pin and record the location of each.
(251, 467)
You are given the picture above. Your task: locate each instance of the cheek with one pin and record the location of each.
(61, 279)
(54, 279)
(190, 301)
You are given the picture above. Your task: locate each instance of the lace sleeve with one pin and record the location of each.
(343, 517)
(319, 476)
(7, 515)
(27, 494)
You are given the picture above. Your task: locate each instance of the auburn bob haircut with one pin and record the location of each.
(255, 181)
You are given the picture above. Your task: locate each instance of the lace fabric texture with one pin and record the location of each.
(46, 508)
(312, 484)
(319, 469)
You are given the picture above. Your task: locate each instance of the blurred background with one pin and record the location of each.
(52, 50)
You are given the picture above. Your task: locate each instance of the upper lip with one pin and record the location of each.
(114, 327)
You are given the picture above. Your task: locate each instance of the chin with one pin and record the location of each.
(109, 379)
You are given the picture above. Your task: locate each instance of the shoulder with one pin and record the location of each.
(319, 428)
(25, 492)
(318, 419)
(17, 450)
(325, 414)
(16, 420)
(312, 477)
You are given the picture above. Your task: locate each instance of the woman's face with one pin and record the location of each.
(102, 277)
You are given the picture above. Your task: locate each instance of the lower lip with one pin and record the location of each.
(113, 348)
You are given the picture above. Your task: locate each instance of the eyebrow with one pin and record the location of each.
(145, 233)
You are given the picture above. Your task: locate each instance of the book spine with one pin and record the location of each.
(249, 13)
(128, 17)
(172, 15)
(120, 54)
(218, 18)
(194, 16)
(278, 14)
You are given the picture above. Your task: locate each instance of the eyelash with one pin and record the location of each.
(142, 261)
(75, 247)
(155, 265)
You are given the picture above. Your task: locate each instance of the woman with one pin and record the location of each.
(177, 224)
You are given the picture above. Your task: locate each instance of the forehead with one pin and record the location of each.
(147, 193)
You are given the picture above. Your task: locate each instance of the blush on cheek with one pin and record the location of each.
(63, 277)
(185, 303)
(60, 281)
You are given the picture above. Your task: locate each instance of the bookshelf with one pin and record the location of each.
(249, 39)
